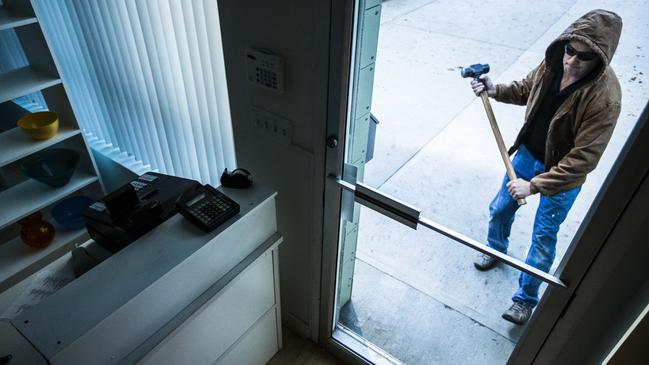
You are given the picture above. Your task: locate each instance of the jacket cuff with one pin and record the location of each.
(498, 88)
(533, 188)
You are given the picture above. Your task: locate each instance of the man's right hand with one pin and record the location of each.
(485, 85)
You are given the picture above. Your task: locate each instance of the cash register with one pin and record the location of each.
(136, 208)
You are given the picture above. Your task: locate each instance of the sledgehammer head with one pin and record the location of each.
(475, 71)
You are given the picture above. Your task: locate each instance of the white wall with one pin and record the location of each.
(298, 31)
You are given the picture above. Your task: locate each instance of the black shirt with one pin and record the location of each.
(534, 137)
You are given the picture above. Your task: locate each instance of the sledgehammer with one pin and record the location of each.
(476, 71)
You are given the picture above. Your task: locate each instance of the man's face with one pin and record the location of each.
(578, 59)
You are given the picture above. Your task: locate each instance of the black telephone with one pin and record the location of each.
(208, 208)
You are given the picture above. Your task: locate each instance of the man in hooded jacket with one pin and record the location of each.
(573, 102)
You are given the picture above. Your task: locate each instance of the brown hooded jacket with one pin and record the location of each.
(582, 126)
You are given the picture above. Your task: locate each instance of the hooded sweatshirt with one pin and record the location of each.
(583, 124)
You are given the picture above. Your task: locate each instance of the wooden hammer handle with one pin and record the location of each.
(499, 141)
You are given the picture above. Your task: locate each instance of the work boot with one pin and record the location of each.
(518, 313)
(485, 262)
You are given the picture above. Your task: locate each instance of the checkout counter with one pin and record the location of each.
(175, 295)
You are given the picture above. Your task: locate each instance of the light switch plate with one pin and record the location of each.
(271, 125)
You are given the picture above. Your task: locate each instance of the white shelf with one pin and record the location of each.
(25, 198)
(18, 261)
(10, 20)
(16, 144)
(24, 81)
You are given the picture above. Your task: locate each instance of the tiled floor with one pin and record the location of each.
(300, 351)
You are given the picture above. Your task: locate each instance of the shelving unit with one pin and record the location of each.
(23, 196)
(18, 145)
(24, 81)
(30, 196)
(10, 20)
(18, 260)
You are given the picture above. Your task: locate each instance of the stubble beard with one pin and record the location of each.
(572, 70)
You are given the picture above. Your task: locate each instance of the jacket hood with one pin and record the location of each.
(599, 29)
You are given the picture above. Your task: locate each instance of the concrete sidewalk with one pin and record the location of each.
(435, 150)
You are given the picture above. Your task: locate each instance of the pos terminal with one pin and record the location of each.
(136, 208)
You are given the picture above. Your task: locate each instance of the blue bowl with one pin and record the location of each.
(53, 166)
(67, 213)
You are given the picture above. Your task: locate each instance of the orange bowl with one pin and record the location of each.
(40, 125)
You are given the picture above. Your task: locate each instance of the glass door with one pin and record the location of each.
(380, 310)
(400, 282)
(392, 316)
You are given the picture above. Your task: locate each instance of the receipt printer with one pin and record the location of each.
(134, 209)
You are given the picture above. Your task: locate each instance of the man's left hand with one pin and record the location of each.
(519, 188)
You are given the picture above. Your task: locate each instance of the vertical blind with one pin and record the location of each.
(148, 78)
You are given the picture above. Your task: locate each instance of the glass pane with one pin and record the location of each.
(417, 296)
(434, 149)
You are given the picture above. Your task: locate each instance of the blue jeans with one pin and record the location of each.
(552, 211)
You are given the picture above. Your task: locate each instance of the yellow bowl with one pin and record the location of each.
(40, 125)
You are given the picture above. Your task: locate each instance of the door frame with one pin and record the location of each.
(619, 195)
(341, 40)
(611, 201)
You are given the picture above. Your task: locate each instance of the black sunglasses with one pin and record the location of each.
(582, 56)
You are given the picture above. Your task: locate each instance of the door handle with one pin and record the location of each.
(411, 217)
